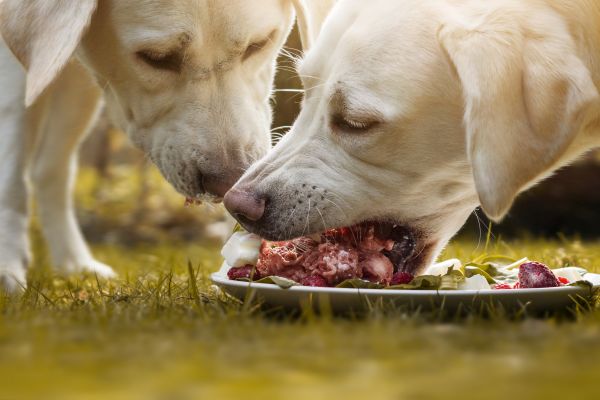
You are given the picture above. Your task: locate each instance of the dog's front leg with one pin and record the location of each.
(73, 102)
(14, 244)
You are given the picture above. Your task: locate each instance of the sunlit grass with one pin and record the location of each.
(152, 334)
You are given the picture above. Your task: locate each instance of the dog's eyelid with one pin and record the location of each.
(167, 61)
(259, 44)
(340, 122)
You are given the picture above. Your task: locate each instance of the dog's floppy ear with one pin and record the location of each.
(525, 97)
(311, 15)
(43, 34)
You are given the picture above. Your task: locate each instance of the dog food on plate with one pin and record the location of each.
(367, 256)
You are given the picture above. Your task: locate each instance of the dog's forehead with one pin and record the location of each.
(208, 21)
(375, 50)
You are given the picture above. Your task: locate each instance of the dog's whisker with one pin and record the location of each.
(288, 222)
(289, 91)
(307, 223)
(322, 218)
(281, 127)
(479, 223)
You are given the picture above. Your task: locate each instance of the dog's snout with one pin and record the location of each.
(245, 204)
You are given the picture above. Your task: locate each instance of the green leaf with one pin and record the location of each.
(472, 269)
(584, 284)
(283, 283)
(451, 280)
(359, 284)
(423, 282)
(238, 228)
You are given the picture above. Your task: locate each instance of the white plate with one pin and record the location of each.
(340, 300)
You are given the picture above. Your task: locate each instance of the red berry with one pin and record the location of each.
(563, 280)
(536, 275)
(502, 286)
(314, 281)
(517, 286)
(402, 278)
(244, 272)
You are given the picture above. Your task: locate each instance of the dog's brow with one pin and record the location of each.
(344, 103)
(159, 41)
(337, 100)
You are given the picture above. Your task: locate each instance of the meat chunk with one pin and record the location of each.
(314, 281)
(285, 259)
(244, 272)
(377, 268)
(359, 252)
(334, 262)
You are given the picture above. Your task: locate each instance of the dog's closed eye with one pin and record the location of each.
(256, 47)
(340, 123)
(171, 61)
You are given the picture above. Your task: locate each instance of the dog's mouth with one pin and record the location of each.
(404, 245)
(385, 253)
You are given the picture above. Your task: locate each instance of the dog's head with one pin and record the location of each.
(189, 81)
(414, 118)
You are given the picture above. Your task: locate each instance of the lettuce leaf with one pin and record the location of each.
(451, 280)
(283, 283)
(359, 284)
(423, 282)
(485, 270)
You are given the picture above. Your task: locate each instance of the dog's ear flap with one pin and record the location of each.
(311, 15)
(525, 101)
(43, 35)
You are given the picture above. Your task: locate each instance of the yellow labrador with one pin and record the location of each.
(189, 81)
(418, 111)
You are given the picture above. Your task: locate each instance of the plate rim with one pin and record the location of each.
(220, 280)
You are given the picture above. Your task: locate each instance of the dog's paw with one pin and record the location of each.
(13, 276)
(89, 266)
(100, 269)
(14, 250)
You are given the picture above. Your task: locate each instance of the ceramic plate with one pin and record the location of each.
(340, 300)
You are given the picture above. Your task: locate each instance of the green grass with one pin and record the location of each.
(157, 333)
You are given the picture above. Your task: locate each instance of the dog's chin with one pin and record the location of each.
(191, 189)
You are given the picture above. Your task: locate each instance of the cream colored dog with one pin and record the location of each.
(189, 81)
(419, 111)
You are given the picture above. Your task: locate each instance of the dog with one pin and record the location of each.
(418, 111)
(189, 81)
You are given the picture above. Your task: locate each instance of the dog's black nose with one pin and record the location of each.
(244, 203)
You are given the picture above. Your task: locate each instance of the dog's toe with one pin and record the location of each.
(100, 269)
(87, 266)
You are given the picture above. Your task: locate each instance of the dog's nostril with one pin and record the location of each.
(245, 205)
